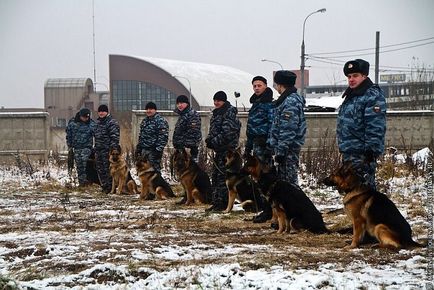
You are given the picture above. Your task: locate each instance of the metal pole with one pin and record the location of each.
(273, 61)
(303, 54)
(93, 38)
(377, 55)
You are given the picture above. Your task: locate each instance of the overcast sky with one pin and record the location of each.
(53, 38)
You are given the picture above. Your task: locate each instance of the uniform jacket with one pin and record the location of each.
(107, 133)
(224, 130)
(154, 133)
(361, 123)
(288, 129)
(79, 134)
(187, 131)
(260, 118)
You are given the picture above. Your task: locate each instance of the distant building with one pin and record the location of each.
(63, 97)
(399, 96)
(134, 81)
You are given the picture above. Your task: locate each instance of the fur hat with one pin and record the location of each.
(260, 78)
(84, 112)
(356, 66)
(221, 96)
(285, 77)
(103, 108)
(182, 99)
(151, 105)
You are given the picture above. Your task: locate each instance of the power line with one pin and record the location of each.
(366, 49)
(370, 53)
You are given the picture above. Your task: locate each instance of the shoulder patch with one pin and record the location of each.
(287, 115)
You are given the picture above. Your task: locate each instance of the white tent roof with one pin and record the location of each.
(207, 79)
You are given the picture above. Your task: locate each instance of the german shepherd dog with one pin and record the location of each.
(294, 210)
(240, 185)
(121, 176)
(370, 211)
(152, 181)
(194, 180)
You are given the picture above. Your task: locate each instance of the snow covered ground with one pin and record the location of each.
(54, 236)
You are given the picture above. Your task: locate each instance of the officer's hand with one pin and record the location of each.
(369, 156)
(279, 159)
(158, 154)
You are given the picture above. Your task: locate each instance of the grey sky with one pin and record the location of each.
(53, 38)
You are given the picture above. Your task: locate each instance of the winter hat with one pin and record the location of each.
(356, 66)
(285, 77)
(84, 112)
(220, 96)
(260, 78)
(182, 99)
(103, 108)
(151, 105)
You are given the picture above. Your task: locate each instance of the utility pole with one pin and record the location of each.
(93, 38)
(377, 56)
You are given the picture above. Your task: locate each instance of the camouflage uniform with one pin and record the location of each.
(153, 137)
(224, 133)
(361, 126)
(187, 133)
(287, 133)
(79, 136)
(107, 135)
(258, 125)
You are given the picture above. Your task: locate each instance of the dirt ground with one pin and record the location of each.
(48, 231)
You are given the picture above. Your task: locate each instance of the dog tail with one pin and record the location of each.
(414, 244)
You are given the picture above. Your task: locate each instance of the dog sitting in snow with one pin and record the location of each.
(122, 179)
(370, 211)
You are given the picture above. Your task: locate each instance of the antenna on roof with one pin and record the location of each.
(93, 38)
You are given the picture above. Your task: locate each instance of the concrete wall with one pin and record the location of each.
(405, 130)
(25, 133)
(30, 133)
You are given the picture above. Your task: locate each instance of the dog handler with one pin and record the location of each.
(288, 129)
(79, 138)
(361, 123)
(224, 134)
(153, 136)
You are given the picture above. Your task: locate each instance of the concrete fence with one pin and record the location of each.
(30, 132)
(410, 130)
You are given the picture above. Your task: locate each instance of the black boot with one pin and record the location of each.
(264, 216)
(217, 207)
(183, 200)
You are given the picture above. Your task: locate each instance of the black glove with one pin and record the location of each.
(157, 155)
(138, 151)
(178, 146)
(247, 153)
(280, 159)
(369, 156)
(209, 143)
(260, 141)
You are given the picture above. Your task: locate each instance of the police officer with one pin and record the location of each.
(259, 123)
(288, 129)
(107, 135)
(361, 123)
(79, 138)
(224, 134)
(153, 136)
(259, 120)
(187, 133)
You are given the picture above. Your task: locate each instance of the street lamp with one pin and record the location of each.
(273, 62)
(189, 86)
(303, 56)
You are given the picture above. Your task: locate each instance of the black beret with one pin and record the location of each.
(103, 108)
(356, 66)
(182, 99)
(260, 78)
(151, 105)
(285, 77)
(221, 96)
